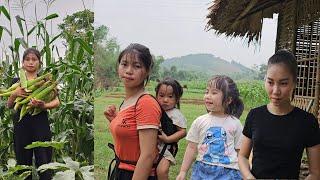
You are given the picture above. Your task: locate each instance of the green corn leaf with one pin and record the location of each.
(85, 46)
(5, 12)
(54, 144)
(19, 21)
(32, 29)
(80, 55)
(16, 45)
(6, 29)
(51, 16)
(68, 174)
(53, 166)
(1, 30)
(54, 38)
(23, 42)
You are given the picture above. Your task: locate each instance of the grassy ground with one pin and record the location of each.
(103, 154)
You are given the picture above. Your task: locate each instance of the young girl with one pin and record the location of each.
(32, 128)
(168, 93)
(215, 136)
(278, 132)
(135, 127)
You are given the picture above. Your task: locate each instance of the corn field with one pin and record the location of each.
(72, 122)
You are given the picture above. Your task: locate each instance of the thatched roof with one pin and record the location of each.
(244, 18)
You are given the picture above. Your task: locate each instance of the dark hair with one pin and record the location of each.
(177, 88)
(31, 51)
(143, 54)
(288, 59)
(230, 91)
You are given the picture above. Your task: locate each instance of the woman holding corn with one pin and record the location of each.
(32, 128)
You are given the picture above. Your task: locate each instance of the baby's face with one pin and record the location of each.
(166, 97)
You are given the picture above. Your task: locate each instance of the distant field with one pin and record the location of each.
(191, 107)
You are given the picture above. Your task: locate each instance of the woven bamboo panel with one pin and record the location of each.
(305, 104)
(307, 52)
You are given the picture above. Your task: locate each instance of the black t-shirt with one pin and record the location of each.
(278, 141)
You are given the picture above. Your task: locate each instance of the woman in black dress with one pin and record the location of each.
(32, 128)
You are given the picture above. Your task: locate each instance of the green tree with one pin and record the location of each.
(107, 51)
(77, 24)
(156, 68)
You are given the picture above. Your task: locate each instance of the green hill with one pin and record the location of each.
(206, 63)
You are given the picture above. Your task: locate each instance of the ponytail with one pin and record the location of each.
(235, 108)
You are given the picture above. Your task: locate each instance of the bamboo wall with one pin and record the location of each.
(299, 32)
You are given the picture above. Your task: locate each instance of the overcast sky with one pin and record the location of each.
(61, 7)
(176, 27)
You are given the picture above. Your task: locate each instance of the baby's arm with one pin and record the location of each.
(181, 133)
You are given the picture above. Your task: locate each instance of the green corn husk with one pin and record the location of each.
(32, 88)
(23, 79)
(46, 99)
(36, 85)
(36, 111)
(23, 111)
(16, 106)
(30, 83)
(45, 77)
(13, 86)
(26, 110)
(46, 91)
(34, 93)
(6, 94)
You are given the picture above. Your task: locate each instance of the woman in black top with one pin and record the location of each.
(278, 132)
(32, 128)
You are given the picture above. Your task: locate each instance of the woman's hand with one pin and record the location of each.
(37, 103)
(111, 112)
(313, 154)
(243, 158)
(20, 92)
